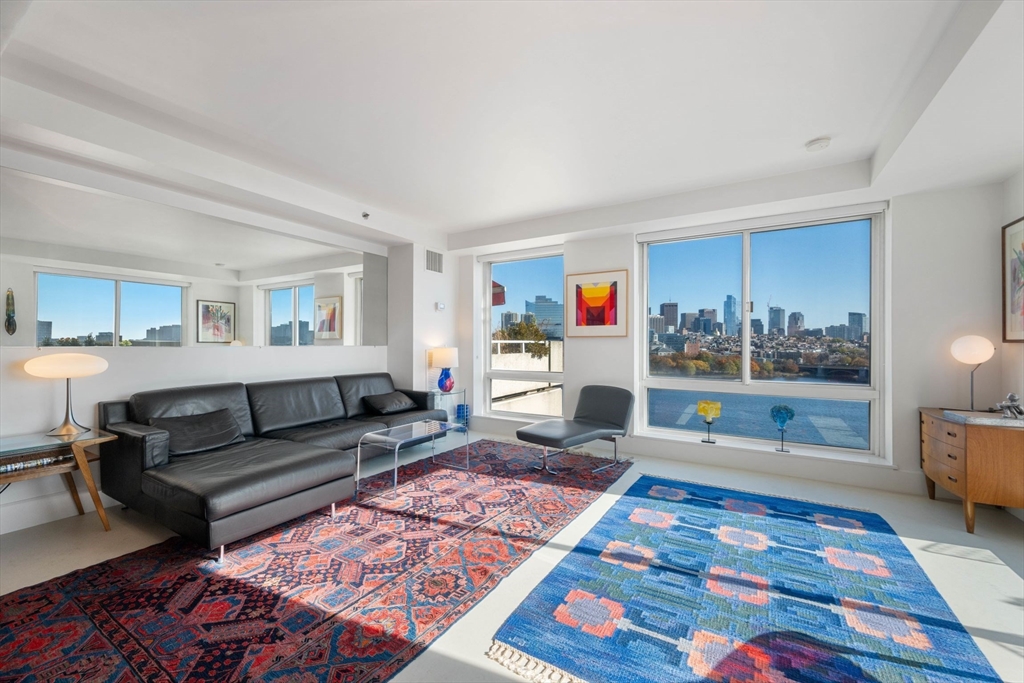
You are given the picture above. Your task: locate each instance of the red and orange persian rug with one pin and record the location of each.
(351, 599)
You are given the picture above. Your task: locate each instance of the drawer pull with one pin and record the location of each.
(952, 434)
(952, 479)
(950, 456)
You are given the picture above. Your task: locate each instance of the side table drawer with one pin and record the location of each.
(952, 480)
(947, 432)
(944, 453)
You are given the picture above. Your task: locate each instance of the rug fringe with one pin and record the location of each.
(526, 666)
(758, 493)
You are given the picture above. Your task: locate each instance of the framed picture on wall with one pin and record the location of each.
(327, 319)
(1013, 281)
(215, 322)
(597, 304)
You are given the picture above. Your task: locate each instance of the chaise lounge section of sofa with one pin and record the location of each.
(293, 450)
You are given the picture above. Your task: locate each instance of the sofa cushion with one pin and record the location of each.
(294, 402)
(338, 434)
(193, 401)
(408, 417)
(197, 433)
(385, 404)
(355, 387)
(219, 483)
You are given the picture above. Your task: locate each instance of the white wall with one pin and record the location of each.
(32, 405)
(1013, 354)
(945, 283)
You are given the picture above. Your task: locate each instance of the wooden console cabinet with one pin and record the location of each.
(979, 463)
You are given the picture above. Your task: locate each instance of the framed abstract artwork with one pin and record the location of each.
(597, 304)
(327, 319)
(215, 322)
(1013, 281)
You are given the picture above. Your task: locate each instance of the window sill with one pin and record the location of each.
(799, 451)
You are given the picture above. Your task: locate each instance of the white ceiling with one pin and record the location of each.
(462, 114)
(52, 213)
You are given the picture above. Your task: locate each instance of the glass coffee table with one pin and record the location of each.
(394, 438)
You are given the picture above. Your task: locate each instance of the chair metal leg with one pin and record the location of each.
(613, 463)
(220, 560)
(334, 512)
(544, 463)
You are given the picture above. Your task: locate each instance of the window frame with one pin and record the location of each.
(117, 280)
(268, 291)
(514, 375)
(875, 393)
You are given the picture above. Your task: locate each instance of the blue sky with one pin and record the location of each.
(79, 306)
(786, 265)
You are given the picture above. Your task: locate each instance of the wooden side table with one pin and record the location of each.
(40, 455)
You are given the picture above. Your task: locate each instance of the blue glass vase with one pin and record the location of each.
(445, 382)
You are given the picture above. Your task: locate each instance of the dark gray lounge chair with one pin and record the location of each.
(601, 413)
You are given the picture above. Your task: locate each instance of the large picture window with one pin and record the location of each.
(74, 310)
(756, 317)
(525, 327)
(290, 316)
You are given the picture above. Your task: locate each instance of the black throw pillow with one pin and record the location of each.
(198, 433)
(395, 402)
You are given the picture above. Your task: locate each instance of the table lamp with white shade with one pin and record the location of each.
(66, 366)
(446, 358)
(972, 350)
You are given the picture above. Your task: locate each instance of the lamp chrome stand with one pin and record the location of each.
(69, 427)
(972, 386)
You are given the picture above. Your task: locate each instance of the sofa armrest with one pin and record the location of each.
(424, 399)
(142, 445)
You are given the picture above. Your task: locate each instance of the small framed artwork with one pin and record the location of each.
(328, 318)
(216, 322)
(1013, 281)
(598, 304)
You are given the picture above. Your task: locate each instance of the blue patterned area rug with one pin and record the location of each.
(686, 582)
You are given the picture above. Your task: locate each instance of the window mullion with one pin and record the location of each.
(117, 314)
(295, 316)
(745, 315)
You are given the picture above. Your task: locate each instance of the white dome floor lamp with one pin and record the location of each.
(66, 366)
(972, 350)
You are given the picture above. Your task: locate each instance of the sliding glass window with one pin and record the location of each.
(756, 318)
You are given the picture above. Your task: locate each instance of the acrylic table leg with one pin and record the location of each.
(83, 466)
(70, 479)
(969, 515)
(394, 490)
(931, 487)
(467, 448)
(359, 460)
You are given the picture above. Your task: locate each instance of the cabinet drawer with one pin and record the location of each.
(942, 452)
(949, 432)
(952, 480)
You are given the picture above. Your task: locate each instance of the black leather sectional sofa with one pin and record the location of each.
(220, 462)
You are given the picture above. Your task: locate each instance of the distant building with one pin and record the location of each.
(281, 335)
(686, 321)
(814, 332)
(104, 338)
(306, 335)
(795, 325)
(709, 313)
(777, 320)
(656, 323)
(838, 331)
(732, 319)
(718, 328)
(670, 312)
(549, 314)
(676, 342)
(509, 318)
(44, 330)
(756, 326)
(529, 319)
(703, 325)
(858, 325)
(164, 333)
(692, 348)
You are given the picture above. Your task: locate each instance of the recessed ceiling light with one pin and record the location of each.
(818, 144)
(218, 264)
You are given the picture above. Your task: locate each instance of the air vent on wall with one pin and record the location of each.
(435, 261)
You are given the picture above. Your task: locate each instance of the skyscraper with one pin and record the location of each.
(44, 330)
(529, 319)
(858, 326)
(837, 331)
(686, 321)
(709, 313)
(777, 320)
(550, 315)
(796, 324)
(756, 326)
(509, 318)
(732, 320)
(656, 324)
(670, 312)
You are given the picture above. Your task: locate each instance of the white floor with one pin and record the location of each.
(980, 575)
